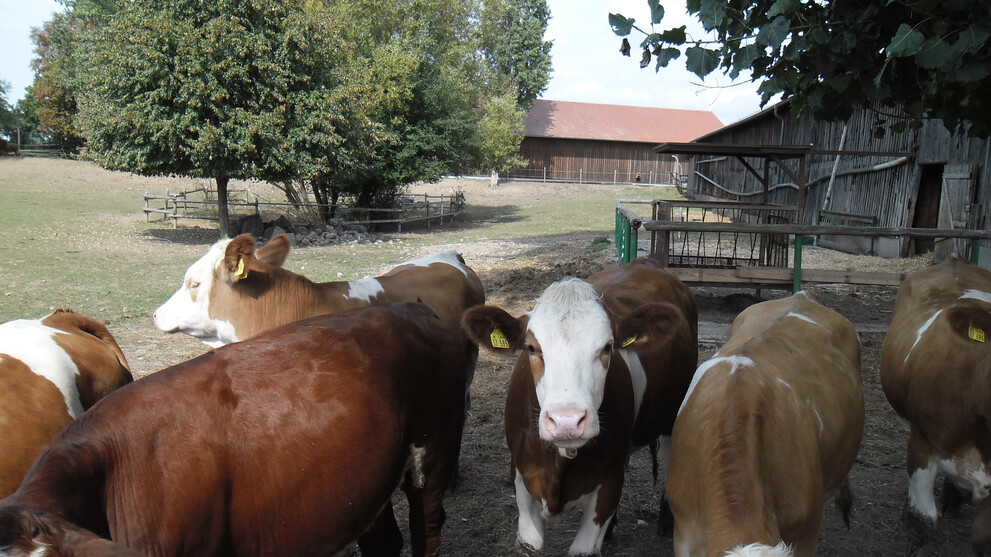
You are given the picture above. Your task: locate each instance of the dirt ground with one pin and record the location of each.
(482, 511)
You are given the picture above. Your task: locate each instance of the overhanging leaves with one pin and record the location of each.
(701, 61)
(621, 25)
(906, 42)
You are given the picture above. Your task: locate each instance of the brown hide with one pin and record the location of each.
(940, 379)
(654, 310)
(769, 430)
(265, 295)
(289, 443)
(33, 409)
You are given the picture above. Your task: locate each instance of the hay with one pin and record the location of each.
(814, 257)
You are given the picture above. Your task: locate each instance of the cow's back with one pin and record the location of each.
(929, 353)
(669, 366)
(770, 428)
(288, 443)
(51, 370)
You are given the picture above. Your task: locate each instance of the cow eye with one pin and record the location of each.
(531, 349)
(192, 284)
(608, 349)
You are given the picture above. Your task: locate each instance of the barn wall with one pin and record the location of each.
(575, 160)
(883, 187)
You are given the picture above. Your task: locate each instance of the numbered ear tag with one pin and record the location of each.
(498, 339)
(240, 272)
(975, 333)
(629, 341)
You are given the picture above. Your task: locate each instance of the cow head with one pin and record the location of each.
(226, 264)
(568, 341)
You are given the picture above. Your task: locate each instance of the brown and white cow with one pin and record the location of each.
(289, 443)
(51, 370)
(604, 366)
(236, 291)
(936, 373)
(769, 429)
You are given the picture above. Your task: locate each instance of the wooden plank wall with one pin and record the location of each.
(574, 160)
(889, 193)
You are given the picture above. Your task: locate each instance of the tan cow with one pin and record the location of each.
(51, 370)
(603, 367)
(769, 429)
(936, 373)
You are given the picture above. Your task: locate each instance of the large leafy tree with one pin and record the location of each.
(224, 89)
(918, 58)
(8, 118)
(59, 70)
(513, 42)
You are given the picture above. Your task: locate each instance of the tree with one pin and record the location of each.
(59, 67)
(513, 41)
(917, 58)
(8, 118)
(225, 89)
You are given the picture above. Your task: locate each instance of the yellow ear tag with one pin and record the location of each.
(498, 339)
(629, 341)
(975, 333)
(240, 269)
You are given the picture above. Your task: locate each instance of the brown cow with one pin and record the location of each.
(289, 443)
(51, 370)
(235, 291)
(769, 429)
(9, 147)
(936, 373)
(604, 366)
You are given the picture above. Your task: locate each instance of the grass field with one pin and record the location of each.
(73, 235)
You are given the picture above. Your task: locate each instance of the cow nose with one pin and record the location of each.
(566, 423)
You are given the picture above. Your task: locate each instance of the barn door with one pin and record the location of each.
(955, 201)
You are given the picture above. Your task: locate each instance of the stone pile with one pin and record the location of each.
(301, 235)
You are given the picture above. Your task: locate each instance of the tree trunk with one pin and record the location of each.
(223, 217)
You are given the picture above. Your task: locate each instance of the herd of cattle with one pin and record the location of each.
(319, 401)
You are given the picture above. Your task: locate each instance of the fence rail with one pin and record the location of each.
(198, 204)
(743, 225)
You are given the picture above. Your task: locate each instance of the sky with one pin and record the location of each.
(587, 64)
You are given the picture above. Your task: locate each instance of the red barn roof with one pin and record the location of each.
(574, 120)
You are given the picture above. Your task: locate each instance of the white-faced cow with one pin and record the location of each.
(604, 366)
(236, 291)
(936, 373)
(289, 443)
(768, 431)
(51, 370)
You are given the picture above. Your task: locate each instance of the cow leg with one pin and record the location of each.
(920, 510)
(384, 536)
(530, 530)
(591, 533)
(665, 520)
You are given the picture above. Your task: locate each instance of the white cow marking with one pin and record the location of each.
(976, 295)
(922, 330)
(450, 257)
(735, 362)
(802, 317)
(33, 343)
(365, 289)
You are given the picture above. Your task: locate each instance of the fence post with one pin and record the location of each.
(580, 175)
(796, 286)
(545, 173)
(615, 176)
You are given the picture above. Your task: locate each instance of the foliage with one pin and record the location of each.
(8, 119)
(58, 70)
(918, 58)
(502, 134)
(513, 42)
(222, 90)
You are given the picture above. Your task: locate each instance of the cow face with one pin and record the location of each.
(567, 343)
(188, 310)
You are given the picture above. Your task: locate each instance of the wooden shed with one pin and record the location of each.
(925, 178)
(585, 142)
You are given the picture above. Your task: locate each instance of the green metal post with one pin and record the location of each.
(796, 286)
(975, 252)
(633, 242)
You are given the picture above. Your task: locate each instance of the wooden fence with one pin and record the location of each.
(198, 204)
(744, 244)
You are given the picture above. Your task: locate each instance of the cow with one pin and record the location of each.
(51, 370)
(936, 373)
(603, 366)
(236, 291)
(768, 431)
(9, 147)
(288, 443)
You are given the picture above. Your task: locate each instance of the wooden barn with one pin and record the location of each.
(840, 173)
(585, 142)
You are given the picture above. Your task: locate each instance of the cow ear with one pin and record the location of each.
(238, 257)
(275, 251)
(652, 323)
(970, 322)
(493, 328)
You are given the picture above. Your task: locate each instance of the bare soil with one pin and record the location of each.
(482, 511)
